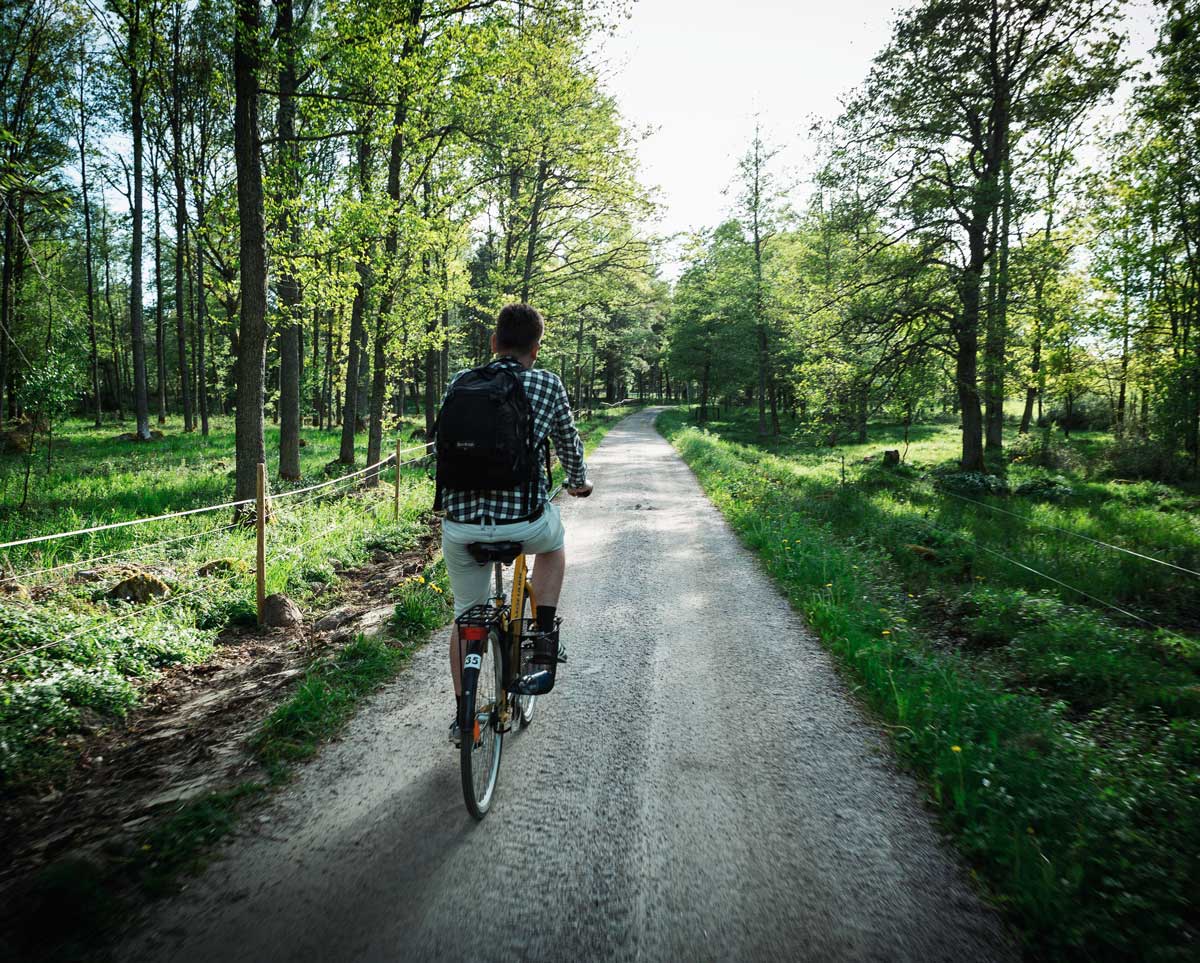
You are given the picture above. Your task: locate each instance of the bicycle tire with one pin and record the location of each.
(479, 755)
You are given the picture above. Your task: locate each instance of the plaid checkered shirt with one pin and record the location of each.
(551, 419)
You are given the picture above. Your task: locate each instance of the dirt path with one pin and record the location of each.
(699, 786)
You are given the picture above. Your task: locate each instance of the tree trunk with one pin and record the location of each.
(1124, 378)
(94, 355)
(288, 227)
(378, 392)
(966, 380)
(181, 223)
(966, 360)
(252, 329)
(201, 305)
(432, 365)
(327, 402)
(7, 302)
(357, 329)
(160, 353)
(141, 401)
(997, 341)
(534, 214)
(112, 316)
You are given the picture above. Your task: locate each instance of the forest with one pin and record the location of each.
(1012, 237)
(956, 358)
(306, 218)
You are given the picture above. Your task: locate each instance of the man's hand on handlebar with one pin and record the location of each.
(582, 491)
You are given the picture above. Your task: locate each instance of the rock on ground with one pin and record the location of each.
(279, 611)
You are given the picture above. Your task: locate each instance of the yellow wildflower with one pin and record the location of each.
(956, 748)
(887, 632)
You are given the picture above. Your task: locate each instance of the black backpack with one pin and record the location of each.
(484, 435)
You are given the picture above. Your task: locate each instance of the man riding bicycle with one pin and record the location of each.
(537, 409)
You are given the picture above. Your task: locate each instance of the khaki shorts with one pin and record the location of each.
(472, 582)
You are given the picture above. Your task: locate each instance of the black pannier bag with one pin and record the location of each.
(484, 435)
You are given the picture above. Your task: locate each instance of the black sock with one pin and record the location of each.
(545, 617)
(457, 706)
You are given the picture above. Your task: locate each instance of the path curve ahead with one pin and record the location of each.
(698, 787)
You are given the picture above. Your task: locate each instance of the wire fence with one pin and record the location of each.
(285, 505)
(1046, 526)
(1024, 566)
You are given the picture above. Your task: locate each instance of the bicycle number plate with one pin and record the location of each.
(473, 661)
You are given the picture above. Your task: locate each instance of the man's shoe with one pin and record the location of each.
(543, 665)
(455, 734)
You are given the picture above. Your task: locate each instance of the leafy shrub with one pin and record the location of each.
(1042, 450)
(1089, 413)
(394, 538)
(1145, 458)
(973, 483)
(1048, 488)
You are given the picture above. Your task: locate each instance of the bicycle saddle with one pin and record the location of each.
(503, 552)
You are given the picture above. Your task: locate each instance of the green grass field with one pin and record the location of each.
(1059, 738)
(76, 657)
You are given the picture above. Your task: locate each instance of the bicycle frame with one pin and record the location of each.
(521, 588)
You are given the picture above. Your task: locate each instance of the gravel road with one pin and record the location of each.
(700, 786)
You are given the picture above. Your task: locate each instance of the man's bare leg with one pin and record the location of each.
(548, 571)
(456, 658)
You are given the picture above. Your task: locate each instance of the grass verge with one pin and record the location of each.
(1041, 730)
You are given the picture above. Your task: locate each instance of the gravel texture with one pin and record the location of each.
(700, 786)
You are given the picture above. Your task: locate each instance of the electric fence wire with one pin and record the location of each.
(313, 490)
(37, 539)
(317, 492)
(293, 548)
(1061, 531)
(79, 563)
(1034, 571)
(1033, 522)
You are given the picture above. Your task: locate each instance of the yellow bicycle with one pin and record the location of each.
(497, 640)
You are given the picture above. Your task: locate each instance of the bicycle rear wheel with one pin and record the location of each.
(482, 742)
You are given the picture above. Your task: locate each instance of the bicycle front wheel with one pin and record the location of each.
(482, 741)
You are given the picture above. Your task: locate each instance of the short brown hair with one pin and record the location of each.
(518, 327)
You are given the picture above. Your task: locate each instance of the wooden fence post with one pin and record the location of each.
(260, 524)
(396, 496)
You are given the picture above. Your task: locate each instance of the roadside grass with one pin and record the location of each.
(334, 685)
(88, 653)
(1054, 506)
(1060, 745)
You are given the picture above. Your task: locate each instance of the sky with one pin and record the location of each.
(697, 71)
